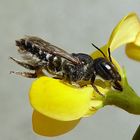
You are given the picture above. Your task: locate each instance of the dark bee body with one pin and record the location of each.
(73, 68)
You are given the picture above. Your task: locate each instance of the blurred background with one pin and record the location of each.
(72, 25)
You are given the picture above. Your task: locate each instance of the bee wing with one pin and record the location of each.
(51, 49)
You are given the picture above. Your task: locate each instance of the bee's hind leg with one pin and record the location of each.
(25, 74)
(25, 65)
(37, 68)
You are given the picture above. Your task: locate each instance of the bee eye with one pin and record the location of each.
(108, 67)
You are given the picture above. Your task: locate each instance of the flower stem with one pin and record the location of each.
(126, 99)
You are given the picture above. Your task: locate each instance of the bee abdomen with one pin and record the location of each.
(25, 45)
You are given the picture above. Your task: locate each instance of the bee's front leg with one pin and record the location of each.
(95, 88)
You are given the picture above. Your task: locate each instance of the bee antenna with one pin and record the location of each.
(109, 53)
(99, 50)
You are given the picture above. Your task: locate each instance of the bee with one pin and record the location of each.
(75, 68)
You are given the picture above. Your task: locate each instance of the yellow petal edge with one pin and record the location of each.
(45, 126)
(125, 32)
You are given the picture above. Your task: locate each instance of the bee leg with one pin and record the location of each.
(25, 74)
(37, 68)
(95, 88)
(58, 77)
(25, 65)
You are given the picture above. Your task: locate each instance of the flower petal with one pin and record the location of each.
(125, 32)
(46, 126)
(133, 51)
(60, 101)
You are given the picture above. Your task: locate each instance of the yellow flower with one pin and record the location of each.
(59, 107)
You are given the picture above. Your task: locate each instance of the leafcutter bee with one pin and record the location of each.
(75, 68)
